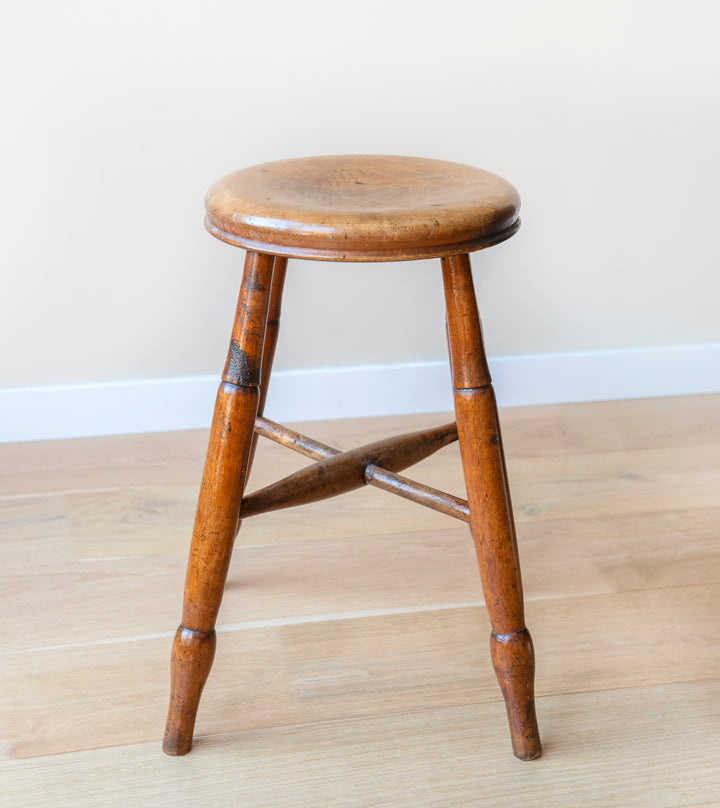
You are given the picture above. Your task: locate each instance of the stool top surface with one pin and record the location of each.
(362, 208)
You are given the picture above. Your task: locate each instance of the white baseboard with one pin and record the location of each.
(114, 408)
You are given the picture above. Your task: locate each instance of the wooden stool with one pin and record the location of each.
(355, 208)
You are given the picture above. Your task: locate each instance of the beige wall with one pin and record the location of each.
(117, 116)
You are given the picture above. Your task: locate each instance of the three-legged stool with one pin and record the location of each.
(355, 208)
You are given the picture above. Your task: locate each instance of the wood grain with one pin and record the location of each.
(347, 471)
(491, 515)
(376, 692)
(373, 475)
(425, 758)
(334, 667)
(270, 342)
(362, 208)
(224, 476)
(275, 581)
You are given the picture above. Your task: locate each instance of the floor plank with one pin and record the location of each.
(606, 750)
(353, 664)
(423, 569)
(359, 664)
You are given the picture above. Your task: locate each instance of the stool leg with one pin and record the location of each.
(271, 335)
(491, 519)
(273, 326)
(218, 507)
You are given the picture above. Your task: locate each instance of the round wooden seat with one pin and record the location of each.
(362, 208)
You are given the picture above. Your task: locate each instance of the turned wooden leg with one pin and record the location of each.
(218, 507)
(491, 519)
(271, 335)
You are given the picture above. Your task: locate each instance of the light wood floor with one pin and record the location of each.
(353, 663)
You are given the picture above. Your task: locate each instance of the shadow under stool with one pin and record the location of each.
(355, 208)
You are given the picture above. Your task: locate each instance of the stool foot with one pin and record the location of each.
(514, 663)
(192, 658)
